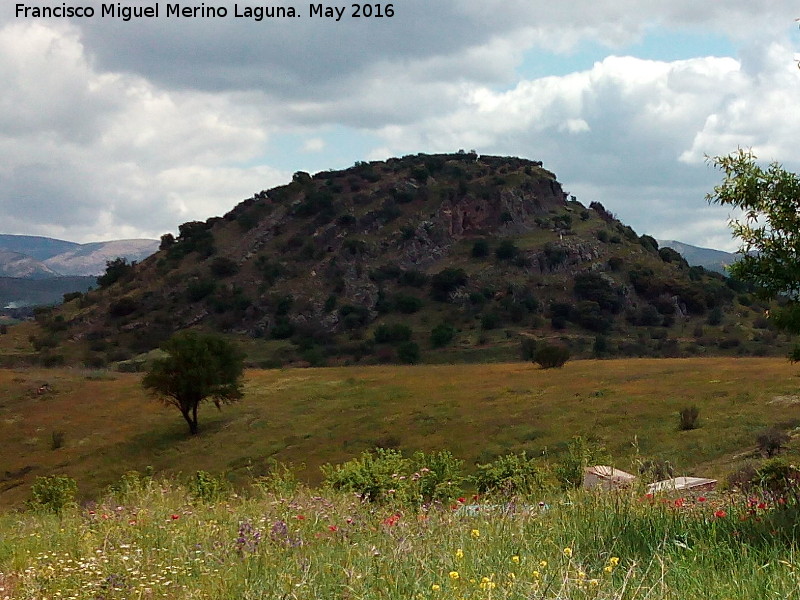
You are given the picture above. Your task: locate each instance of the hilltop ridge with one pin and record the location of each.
(445, 257)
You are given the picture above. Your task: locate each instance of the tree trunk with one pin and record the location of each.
(191, 419)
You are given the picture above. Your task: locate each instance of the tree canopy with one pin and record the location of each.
(197, 367)
(769, 229)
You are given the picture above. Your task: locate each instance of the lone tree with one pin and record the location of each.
(197, 366)
(769, 231)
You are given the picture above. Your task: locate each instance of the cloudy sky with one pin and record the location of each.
(112, 129)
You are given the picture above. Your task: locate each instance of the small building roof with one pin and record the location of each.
(681, 483)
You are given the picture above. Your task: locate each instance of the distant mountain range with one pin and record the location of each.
(34, 257)
(40, 270)
(713, 260)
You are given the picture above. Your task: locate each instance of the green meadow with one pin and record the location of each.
(95, 425)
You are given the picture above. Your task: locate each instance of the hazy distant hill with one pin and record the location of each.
(14, 264)
(91, 259)
(450, 257)
(27, 261)
(35, 246)
(713, 260)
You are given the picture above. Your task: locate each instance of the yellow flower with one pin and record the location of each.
(568, 552)
(543, 564)
(512, 576)
(515, 559)
(594, 582)
(608, 568)
(536, 575)
(454, 575)
(613, 561)
(487, 584)
(436, 587)
(475, 533)
(459, 553)
(581, 575)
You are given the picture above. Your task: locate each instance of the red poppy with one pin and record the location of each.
(300, 517)
(701, 499)
(462, 500)
(762, 505)
(720, 513)
(679, 502)
(333, 528)
(391, 521)
(174, 517)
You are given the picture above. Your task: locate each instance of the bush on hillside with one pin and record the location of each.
(551, 357)
(771, 441)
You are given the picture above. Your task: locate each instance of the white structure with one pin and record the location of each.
(692, 484)
(606, 477)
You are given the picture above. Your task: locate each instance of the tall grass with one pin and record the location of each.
(153, 539)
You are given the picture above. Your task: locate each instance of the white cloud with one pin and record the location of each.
(109, 127)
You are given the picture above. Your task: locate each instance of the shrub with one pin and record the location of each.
(204, 487)
(771, 441)
(123, 307)
(445, 282)
(412, 278)
(527, 348)
(689, 418)
(52, 494)
(506, 250)
(57, 439)
(551, 356)
(408, 352)
(580, 454)
(777, 476)
(480, 249)
(392, 333)
(510, 475)
(374, 476)
(407, 304)
(442, 334)
(116, 269)
(199, 289)
(437, 476)
(223, 266)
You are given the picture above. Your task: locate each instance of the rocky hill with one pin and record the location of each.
(430, 257)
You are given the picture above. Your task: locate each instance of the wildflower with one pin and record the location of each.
(701, 499)
(679, 503)
(462, 500)
(613, 561)
(720, 514)
(762, 505)
(543, 564)
(300, 517)
(536, 574)
(454, 575)
(475, 534)
(487, 584)
(333, 528)
(608, 569)
(568, 552)
(594, 582)
(459, 553)
(436, 587)
(174, 517)
(515, 559)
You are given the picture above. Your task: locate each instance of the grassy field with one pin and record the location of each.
(95, 425)
(152, 539)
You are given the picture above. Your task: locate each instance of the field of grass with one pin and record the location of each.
(152, 539)
(95, 425)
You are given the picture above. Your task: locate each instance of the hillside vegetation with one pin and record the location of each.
(95, 426)
(428, 258)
